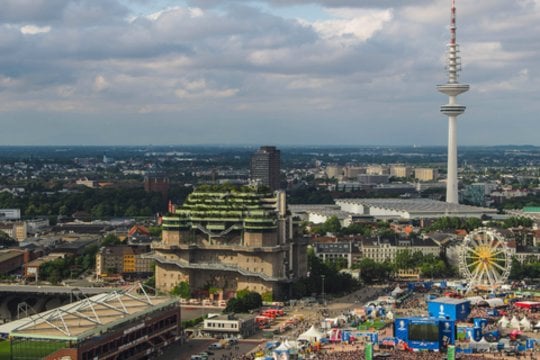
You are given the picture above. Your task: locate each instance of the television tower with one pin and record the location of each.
(452, 88)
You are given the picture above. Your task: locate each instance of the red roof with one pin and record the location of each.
(138, 229)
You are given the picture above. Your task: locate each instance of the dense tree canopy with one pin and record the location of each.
(309, 195)
(99, 203)
(335, 281)
(372, 271)
(332, 225)
(528, 270)
(517, 221)
(244, 301)
(449, 223)
(183, 290)
(69, 267)
(6, 241)
(521, 202)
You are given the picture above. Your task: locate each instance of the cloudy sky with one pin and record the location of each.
(357, 72)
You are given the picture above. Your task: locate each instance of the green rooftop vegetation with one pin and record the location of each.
(218, 207)
(223, 188)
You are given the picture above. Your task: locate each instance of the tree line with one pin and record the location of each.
(429, 266)
(99, 203)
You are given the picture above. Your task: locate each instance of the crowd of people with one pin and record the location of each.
(412, 305)
(401, 355)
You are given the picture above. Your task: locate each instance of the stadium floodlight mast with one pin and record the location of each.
(452, 88)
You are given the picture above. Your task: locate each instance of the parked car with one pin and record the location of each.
(215, 346)
(198, 357)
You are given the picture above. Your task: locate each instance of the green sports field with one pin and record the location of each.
(28, 349)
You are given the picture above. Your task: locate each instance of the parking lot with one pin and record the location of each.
(196, 346)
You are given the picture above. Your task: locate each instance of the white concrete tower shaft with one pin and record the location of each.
(452, 109)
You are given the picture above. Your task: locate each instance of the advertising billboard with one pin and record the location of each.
(449, 309)
(425, 333)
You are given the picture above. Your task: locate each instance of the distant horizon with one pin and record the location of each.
(239, 145)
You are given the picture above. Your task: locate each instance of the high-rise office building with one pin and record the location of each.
(265, 167)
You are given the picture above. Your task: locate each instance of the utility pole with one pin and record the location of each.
(323, 296)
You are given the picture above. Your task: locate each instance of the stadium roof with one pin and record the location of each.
(88, 317)
(299, 208)
(410, 208)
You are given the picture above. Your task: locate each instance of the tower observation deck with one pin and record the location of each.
(452, 109)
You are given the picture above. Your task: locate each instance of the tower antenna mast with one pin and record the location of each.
(452, 88)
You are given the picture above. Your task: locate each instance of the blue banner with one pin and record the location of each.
(401, 329)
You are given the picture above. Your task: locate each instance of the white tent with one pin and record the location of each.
(282, 347)
(494, 302)
(281, 352)
(292, 346)
(514, 323)
(491, 345)
(475, 299)
(503, 322)
(311, 335)
(331, 321)
(483, 344)
(525, 324)
(397, 291)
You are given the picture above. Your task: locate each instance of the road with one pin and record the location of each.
(53, 290)
(190, 312)
(195, 346)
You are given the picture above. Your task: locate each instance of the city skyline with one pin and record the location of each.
(256, 72)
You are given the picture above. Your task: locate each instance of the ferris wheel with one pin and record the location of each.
(485, 259)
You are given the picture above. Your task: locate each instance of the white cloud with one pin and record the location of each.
(374, 61)
(514, 83)
(351, 25)
(199, 89)
(100, 83)
(309, 83)
(6, 81)
(34, 30)
(490, 54)
(193, 12)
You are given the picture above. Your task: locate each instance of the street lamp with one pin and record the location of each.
(71, 293)
(323, 297)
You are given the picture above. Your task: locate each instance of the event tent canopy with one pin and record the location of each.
(493, 303)
(525, 324)
(503, 322)
(527, 304)
(397, 291)
(514, 323)
(475, 300)
(312, 335)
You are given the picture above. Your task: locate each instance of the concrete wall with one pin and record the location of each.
(260, 239)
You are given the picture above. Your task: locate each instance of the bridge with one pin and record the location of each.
(22, 300)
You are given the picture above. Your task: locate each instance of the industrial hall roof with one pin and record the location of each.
(88, 317)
